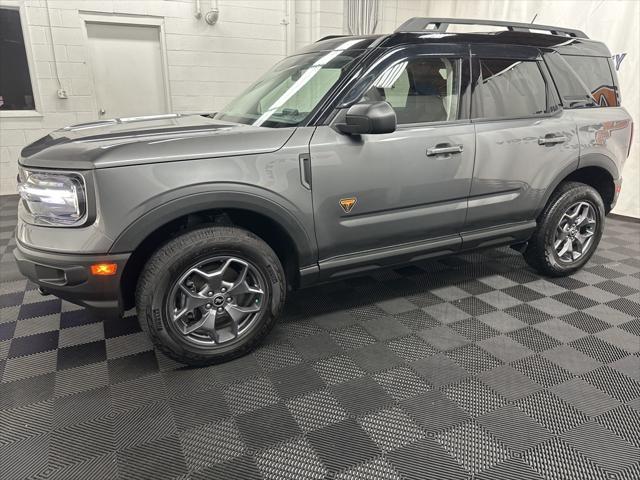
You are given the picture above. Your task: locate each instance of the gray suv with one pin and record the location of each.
(357, 153)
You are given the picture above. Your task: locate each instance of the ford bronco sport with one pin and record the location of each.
(358, 152)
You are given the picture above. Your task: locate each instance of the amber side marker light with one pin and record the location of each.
(104, 268)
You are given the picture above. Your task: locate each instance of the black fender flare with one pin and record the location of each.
(600, 160)
(205, 197)
(590, 160)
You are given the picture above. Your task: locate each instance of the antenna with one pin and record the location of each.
(534, 18)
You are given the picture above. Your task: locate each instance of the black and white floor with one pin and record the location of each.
(472, 366)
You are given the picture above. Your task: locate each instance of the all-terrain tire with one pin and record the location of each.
(173, 258)
(540, 253)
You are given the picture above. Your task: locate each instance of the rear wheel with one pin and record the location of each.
(210, 295)
(569, 230)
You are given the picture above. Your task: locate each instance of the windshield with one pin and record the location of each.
(288, 93)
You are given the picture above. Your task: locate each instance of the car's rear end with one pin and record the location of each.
(588, 86)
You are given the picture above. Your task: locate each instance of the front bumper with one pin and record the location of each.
(68, 277)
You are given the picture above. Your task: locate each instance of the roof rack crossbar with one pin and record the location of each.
(417, 24)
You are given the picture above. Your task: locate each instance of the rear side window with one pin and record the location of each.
(509, 88)
(595, 74)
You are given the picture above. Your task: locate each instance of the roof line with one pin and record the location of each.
(417, 24)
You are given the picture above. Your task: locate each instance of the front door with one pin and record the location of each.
(403, 190)
(127, 69)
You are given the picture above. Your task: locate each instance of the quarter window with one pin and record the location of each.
(422, 89)
(509, 88)
(15, 82)
(572, 90)
(595, 72)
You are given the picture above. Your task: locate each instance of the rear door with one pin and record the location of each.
(386, 191)
(524, 140)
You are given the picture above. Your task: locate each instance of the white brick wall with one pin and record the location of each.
(392, 13)
(207, 65)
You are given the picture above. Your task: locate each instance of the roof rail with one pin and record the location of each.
(417, 24)
(328, 37)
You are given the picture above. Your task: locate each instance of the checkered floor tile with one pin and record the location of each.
(466, 367)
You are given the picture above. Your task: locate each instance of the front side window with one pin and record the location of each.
(509, 88)
(287, 94)
(15, 82)
(422, 89)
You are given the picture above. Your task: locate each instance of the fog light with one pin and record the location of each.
(104, 269)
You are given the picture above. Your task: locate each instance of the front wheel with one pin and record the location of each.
(569, 230)
(210, 295)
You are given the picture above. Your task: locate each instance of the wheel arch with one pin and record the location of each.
(596, 170)
(267, 219)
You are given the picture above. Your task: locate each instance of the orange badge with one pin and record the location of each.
(348, 203)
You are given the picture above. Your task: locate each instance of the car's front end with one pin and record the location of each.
(66, 230)
(59, 244)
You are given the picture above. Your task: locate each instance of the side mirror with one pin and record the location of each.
(361, 118)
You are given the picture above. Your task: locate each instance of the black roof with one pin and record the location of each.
(564, 44)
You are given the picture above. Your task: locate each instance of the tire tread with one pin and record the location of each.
(164, 255)
(536, 253)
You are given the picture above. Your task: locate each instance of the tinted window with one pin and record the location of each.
(422, 89)
(509, 88)
(572, 90)
(596, 75)
(15, 82)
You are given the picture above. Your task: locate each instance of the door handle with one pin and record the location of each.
(550, 139)
(443, 148)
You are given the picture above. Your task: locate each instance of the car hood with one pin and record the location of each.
(149, 139)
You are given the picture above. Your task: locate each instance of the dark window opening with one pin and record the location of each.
(15, 81)
(595, 73)
(510, 89)
(572, 90)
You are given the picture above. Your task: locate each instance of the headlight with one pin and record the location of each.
(53, 198)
